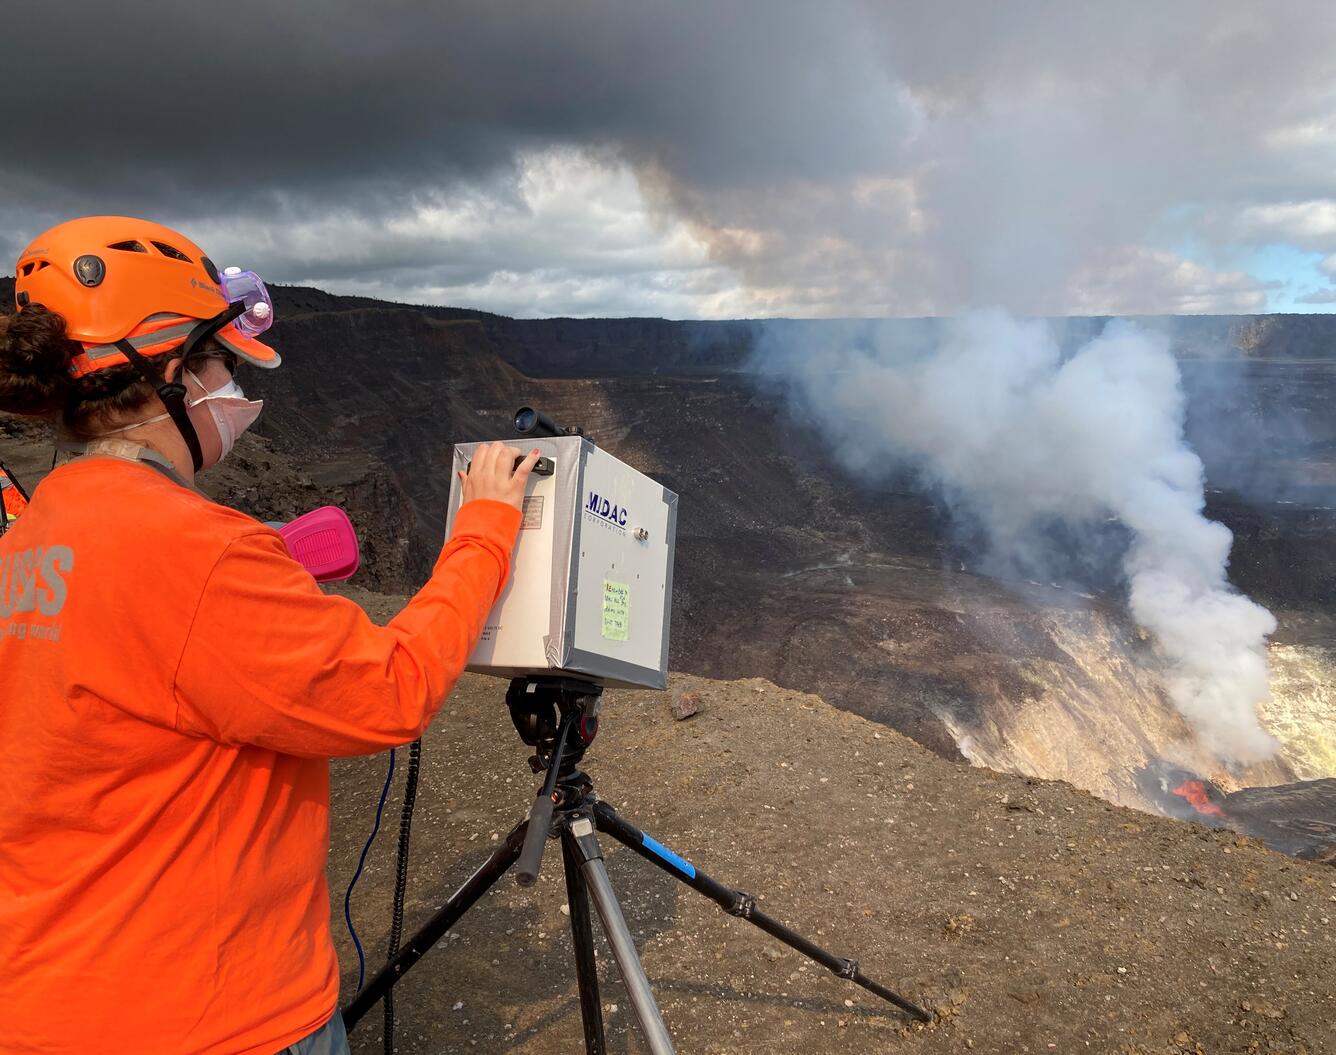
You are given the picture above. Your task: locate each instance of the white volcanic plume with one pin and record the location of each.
(1021, 439)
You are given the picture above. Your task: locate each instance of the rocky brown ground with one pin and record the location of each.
(1029, 916)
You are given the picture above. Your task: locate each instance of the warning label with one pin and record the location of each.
(533, 513)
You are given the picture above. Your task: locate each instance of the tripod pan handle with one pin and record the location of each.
(531, 856)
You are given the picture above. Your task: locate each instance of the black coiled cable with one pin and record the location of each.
(401, 878)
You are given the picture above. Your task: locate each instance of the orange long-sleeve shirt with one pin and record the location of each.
(172, 685)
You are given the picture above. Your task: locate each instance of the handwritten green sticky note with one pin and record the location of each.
(616, 610)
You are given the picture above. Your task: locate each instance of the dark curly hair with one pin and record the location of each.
(35, 377)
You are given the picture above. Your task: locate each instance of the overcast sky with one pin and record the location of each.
(701, 158)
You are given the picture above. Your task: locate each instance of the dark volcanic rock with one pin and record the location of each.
(773, 536)
(1298, 819)
(786, 568)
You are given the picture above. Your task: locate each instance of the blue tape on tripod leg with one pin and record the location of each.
(685, 867)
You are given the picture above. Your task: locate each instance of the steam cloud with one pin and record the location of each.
(1022, 439)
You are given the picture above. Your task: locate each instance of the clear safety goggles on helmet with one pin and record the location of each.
(246, 287)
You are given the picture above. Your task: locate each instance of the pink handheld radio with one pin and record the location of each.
(325, 543)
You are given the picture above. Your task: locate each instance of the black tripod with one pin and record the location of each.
(559, 717)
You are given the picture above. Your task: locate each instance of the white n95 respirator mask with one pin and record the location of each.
(231, 411)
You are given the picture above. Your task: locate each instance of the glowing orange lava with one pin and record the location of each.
(1195, 792)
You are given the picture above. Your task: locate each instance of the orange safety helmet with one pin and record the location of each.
(118, 280)
(129, 289)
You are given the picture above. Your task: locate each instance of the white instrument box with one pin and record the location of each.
(591, 588)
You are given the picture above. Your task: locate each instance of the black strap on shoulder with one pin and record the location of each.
(173, 396)
(129, 451)
(173, 393)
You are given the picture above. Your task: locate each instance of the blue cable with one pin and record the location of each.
(348, 896)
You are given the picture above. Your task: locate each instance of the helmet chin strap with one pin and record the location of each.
(173, 393)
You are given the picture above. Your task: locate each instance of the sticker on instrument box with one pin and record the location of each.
(533, 513)
(616, 610)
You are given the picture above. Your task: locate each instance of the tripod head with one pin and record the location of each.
(559, 717)
(538, 707)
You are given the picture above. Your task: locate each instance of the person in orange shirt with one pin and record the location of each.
(175, 683)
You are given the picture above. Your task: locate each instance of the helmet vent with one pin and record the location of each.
(172, 251)
(29, 268)
(42, 265)
(129, 247)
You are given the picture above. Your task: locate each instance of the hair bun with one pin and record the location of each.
(35, 359)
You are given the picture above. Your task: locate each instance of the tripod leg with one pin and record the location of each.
(446, 917)
(585, 845)
(736, 903)
(586, 974)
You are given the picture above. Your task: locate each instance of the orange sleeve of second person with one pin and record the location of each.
(272, 661)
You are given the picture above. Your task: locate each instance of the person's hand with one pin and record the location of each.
(493, 475)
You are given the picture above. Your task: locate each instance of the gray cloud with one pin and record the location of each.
(843, 158)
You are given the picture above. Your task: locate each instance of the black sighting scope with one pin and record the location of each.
(530, 422)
